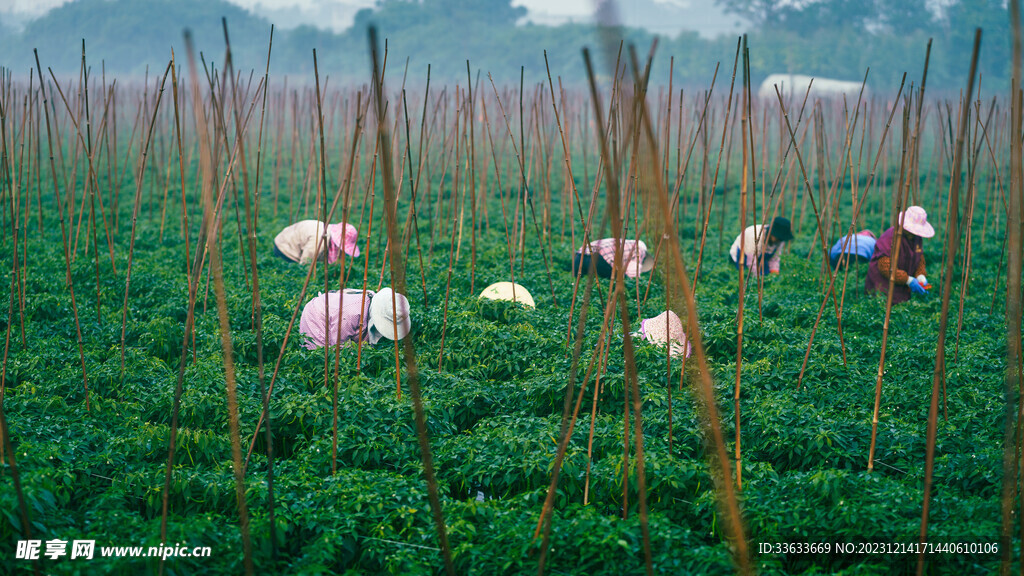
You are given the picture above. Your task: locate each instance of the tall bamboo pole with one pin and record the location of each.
(135, 212)
(471, 119)
(741, 258)
(952, 244)
(217, 270)
(718, 164)
(614, 215)
(1013, 379)
(398, 280)
(252, 223)
(525, 191)
(856, 213)
(64, 234)
(898, 205)
(706, 402)
(411, 216)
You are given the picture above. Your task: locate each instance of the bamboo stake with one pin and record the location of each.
(952, 243)
(8, 446)
(1013, 379)
(91, 190)
(471, 117)
(613, 211)
(447, 294)
(501, 197)
(181, 166)
(525, 188)
(727, 497)
(341, 281)
(856, 212)
(899, 202)
(135, 212)
(972, 192)
(252, 223)
(398, 279)
(411, 217)
(742, 265)
(64, 235)
(8, 186)
(195, 270)
(16, 292)
(90, 177)
(298, 308)
(321, 195)
(216, 267)
(718, 164)
(586, 222)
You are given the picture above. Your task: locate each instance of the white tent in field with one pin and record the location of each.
(795, 85)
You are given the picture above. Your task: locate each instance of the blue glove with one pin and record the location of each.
(915, 286)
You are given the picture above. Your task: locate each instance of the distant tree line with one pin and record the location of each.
(842, 37)
(827, 38)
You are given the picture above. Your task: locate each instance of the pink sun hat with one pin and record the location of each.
(915, 221)
(342, 237)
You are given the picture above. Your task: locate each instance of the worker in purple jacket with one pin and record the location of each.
(910, 267)
(362, 315)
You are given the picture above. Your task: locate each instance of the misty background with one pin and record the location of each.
(825, 38)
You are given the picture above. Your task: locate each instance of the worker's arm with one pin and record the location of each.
(884, 264)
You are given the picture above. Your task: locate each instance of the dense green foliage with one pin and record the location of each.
(829, 38)
(493, 409)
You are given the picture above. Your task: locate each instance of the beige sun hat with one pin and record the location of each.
(666, 327)
(504, 291)
(915, 221)
(390, 320)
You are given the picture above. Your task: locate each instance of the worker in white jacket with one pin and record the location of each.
(761, 245)
(297, 243)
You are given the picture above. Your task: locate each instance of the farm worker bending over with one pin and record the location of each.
(666, 328)
(375, 316)
(635, 257)
(297, 243)
(910, 272)
(859, 246)
(761, 243)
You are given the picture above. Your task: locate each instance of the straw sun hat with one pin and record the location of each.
(666, 327)
(503, 291)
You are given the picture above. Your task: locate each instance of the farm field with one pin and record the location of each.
(101, 368)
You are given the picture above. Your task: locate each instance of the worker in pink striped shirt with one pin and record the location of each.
(635, 257)
(361, 314)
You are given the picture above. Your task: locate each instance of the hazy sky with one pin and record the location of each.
(567, 7)
(337, 15)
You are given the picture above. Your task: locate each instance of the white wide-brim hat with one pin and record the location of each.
(508, 291)
(915, 221)
(391, 319)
